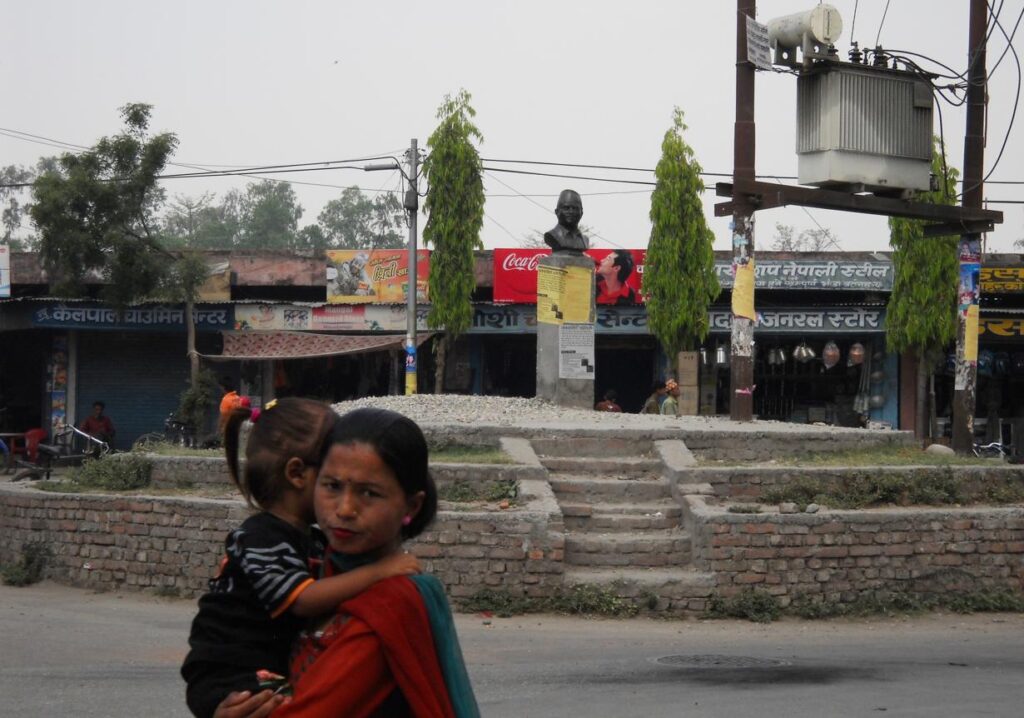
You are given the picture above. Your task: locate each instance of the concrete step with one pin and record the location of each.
(626, 467)
(574, 488)
(603, 446)
(661, 591)
(650, 548)
(598, 517)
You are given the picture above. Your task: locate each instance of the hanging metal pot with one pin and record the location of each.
(722, 355)
(856, 354)
(830, 355)
(877, 401)
(877, 376)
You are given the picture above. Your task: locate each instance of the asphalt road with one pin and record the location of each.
(69, 652)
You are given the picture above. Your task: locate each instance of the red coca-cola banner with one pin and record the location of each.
(619, 275)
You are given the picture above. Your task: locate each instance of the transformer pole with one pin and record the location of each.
(965, 387)
(741, 398)
(412, 206)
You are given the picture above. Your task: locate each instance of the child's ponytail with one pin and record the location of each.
(232, 441)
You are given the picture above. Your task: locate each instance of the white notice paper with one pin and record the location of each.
(576, 351)
(759, 50)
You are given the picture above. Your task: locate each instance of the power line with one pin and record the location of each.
(882, 23)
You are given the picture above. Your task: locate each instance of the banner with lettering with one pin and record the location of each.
(1000, 280)
(813, 274)
(368, 276)
(619, 275)
(150, 317)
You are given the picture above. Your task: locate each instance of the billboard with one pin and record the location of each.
(368, 276)
(619, 275)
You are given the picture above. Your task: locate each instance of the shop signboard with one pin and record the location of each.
(814, 274)
(325, 318)
(150, 317)
(619, 275)
(367, 276)
(1002, 280)
(5, 271)
(999, 329)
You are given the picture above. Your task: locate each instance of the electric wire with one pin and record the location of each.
(882, 23)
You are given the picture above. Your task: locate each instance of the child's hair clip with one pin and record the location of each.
(270, 405)
(254, 415)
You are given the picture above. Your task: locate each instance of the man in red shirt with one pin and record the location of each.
(98, 425)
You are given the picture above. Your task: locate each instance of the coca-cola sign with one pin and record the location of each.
(619, 278)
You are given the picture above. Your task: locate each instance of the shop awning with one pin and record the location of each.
(255, 345)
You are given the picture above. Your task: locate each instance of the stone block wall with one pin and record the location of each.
(839, 554)
(170, 472)
(750, 483)
(766, 445)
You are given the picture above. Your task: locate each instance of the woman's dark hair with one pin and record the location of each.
(610, 395)
(287, 428)
(401, 446)
(624, 261)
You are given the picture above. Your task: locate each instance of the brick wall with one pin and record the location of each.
(765, 445)
(752, 482)
(839, 554)
(116, 542)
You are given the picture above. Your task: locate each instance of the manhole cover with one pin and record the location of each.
(712, 661)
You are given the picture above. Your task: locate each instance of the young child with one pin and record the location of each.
(264, 590)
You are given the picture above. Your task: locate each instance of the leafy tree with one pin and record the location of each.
(269, 215)
(199, 223)
(455, 215)
(809, 240)
(14, 206)
(921, 315)
(679, 271)
(354, 221)
(96, 212)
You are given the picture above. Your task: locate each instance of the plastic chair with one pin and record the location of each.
(33, 437)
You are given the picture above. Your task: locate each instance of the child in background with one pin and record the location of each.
(264, 591)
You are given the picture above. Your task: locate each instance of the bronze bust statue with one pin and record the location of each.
(566, 236)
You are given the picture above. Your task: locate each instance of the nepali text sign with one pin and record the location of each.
(326, 318)
(839, 320)
(1010, 329)
(365, 276)
(619, 275)
(1002, 280)
(814, 274)
(147, 318)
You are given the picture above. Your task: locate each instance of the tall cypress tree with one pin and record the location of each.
(455, 215)
(921, 315)
(679, 271)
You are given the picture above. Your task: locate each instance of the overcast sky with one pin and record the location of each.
(257, 83)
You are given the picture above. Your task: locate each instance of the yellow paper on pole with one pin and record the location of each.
(550, 288)
(971, 334)
(743, 291)
(577, 295)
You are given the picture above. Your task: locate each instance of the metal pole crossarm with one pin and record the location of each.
(768, 195)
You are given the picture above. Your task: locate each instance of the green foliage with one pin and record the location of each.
(577, 600)
(463, 454)
(899, 602)
(354, 221)
(752, 604)
(269, 215)
(679, 272)
(891, 455)
(455, 213)
(196, 402)
(921, 314)
(744, 509)
(200, 223)
(15, 208)
(467, 491)
(95, 212)
(29, 567)
(116, 472)
(877, 487)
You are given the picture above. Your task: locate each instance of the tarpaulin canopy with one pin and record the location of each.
(303, 345)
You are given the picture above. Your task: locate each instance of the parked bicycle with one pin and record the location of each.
(992, 450)
(176, 433)
(70, 447)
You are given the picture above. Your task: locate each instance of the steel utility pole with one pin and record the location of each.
(741, 399)
(970, 242)
(412, 205)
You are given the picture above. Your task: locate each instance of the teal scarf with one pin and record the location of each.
(442, 626)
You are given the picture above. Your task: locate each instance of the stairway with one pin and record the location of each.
(622, 526)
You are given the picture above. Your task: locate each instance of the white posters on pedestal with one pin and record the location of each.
(576, 351)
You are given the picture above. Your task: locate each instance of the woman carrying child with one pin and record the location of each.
(392, 650)
(262, 594)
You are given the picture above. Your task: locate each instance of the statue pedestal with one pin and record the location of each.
(565, 330)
